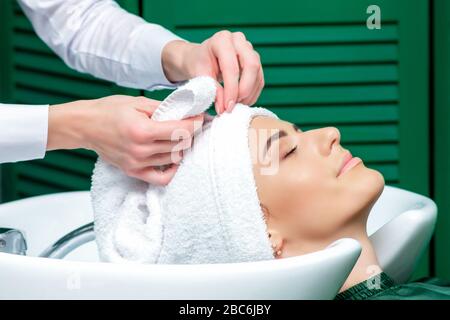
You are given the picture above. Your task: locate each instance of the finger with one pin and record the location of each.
(146, 105)
(173, 130)
(156, 176)
(261, 86)
(251, 100)
(223, 49)
(146, 150)
(250, 65)
(171, 146)
(220, 107)
(164, 159)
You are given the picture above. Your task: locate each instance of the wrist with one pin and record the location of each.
(173, 59)
(67, 126)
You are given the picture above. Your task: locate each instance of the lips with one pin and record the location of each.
(348, 163)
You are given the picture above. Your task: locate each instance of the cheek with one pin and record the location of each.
(314, 204)
(314, 213)
(306, 201)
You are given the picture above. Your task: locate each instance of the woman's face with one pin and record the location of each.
(310, 188)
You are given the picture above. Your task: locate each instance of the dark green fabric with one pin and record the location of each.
(424, 289)
(367, 289)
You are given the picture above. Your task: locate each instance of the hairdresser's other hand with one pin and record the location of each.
(120, 130)
(226, 56)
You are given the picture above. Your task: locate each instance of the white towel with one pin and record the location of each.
(208, 213)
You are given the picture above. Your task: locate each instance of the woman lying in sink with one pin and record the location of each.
(252, 187)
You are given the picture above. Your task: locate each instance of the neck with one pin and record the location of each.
(367, 265)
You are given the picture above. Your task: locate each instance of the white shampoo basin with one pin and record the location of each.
(400, 226)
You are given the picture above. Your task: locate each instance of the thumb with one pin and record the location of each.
(147, 106)
(218, 103)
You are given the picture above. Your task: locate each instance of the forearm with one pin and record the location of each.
(67, 124)
(120, 130)
(100, 38)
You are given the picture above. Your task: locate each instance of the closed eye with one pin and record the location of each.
(291, 152)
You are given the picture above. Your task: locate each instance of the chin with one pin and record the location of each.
(367, 185)
(373, 185)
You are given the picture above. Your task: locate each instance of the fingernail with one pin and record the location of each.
(230, 106)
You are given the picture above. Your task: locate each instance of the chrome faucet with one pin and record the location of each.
(70, 242)
(12, 241)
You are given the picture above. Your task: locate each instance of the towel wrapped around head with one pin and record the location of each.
(208, 213)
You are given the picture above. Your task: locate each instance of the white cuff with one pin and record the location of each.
(23, 132)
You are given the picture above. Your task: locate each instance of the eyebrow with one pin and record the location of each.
(278, 136)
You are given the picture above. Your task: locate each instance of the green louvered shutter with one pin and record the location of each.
(324, 67)
(40, 77)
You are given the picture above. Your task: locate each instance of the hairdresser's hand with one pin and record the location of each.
(120, 130)
(226, 56)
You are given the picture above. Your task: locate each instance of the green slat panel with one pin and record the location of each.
(283, 35)
(28, 60)
(389, 171)
(238, 12)
(70, 162)
(328, 94)
(321, 54)
(83, 153)
(441, 136)
(22, 23)
(28, 188)
(375, 153)
(54, 177)
(338, 114)
(365, 133)
(29, 41)
(291, 75)
(414, 69)
(6, 53)
(32, 96)
(393, 184)
(61, 85)
(16, 7)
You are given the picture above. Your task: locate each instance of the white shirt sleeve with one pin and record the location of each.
(23, 132)
(100, 38)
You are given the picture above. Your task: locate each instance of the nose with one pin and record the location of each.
(328, 137)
